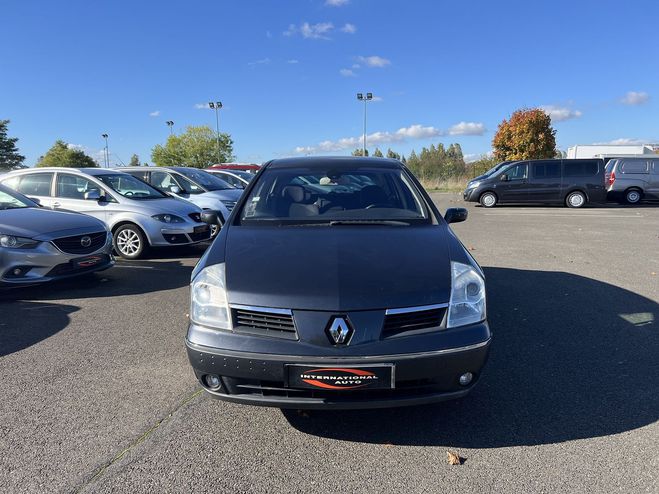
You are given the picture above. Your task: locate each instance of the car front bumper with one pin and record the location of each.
(46, 263)
(162, 235)
(470, 195)
(262, 378)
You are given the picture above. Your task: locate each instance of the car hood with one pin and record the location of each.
(225, 194)
(169, 205)
(338, 268)
(46, 224)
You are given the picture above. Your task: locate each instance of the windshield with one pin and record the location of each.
(205, 180)
(334, 196)
(130, 187)
(11, 200)
(244, 175)
(495, 168)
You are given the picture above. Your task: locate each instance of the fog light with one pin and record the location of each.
(212, 381)
(18, 272)
(466, 378)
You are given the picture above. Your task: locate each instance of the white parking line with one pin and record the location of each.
(132, 267)
(567, 215)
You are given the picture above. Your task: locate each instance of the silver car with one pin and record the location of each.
(194, 185)
(137, 214)
(632, 179)
(238, 178)
(39, 245)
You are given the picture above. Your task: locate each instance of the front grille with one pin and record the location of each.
(229, 204)
(403, 389)
(277, 323)
(397, 322)
(198, 237)
(196, 217)
(69, 268)
(74, 245)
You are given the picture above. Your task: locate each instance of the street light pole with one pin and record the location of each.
(170, 124)
(365, 99)
(107, 153)
(216, 106)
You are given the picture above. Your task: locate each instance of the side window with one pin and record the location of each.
(72, 186)
(35, 184)
(162, 181)
(634, 167)
(655, 167)
(517, 172)
(547, 169)
(581, 168)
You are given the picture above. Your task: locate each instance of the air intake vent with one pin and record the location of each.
(399, 321)
(264, 321)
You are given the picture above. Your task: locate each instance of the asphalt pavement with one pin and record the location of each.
(96, 394)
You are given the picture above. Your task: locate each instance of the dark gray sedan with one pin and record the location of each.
(336, 283)
(38, 244)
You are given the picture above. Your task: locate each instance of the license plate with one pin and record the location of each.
(86, 262)
(199, 229)
(341, 378)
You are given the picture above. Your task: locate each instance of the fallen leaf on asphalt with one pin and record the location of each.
(472, 248)
(454, 458)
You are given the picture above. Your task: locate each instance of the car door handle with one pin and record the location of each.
(56, 204)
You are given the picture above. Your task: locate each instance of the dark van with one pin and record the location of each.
(570, 182)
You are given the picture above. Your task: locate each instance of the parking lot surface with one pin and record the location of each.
(97, 394)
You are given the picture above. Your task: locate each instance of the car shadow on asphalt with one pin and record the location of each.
(24, 324)
(125, 278)
(571, 358)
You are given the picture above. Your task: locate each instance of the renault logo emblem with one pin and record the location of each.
(85, 241)
(340, 330)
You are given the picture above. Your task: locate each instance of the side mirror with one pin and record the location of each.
(93, 195)
(504, 178)
(175, 189)
(456, 215)
(210, 218)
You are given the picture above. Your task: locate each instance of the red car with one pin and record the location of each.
(248, 167)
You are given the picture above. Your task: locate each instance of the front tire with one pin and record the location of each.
(488, 200)
(575, 199)
(633, 196)
(129, 242)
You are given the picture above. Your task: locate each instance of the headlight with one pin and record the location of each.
(473, 185)
(12, 242)
(208, 298)
(467, 304)
(168, 218)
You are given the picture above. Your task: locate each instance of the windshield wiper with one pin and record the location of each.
(369, 222)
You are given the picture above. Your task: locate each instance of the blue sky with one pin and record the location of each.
(287, 72)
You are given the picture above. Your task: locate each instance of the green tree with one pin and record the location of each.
(134, 160)
(9, 157)
(63, 155)
(196, 148)
(393, 155)
(359, 152)
(527, 135)
(377, 153)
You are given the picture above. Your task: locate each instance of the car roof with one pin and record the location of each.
(84, 171)
(325, 161)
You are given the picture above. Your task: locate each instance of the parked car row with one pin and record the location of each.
(572, 182)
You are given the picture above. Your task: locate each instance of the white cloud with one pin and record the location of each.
(320, 30)
(621, 141)
(635, 98)
(263, 61)
(201, 106)
(560, 113)
(77, 147)
(374, 61)
(336, 3)
(155, 113)
(467, 129)
(377, 98)
(347, 73)
(349, 28)
(412, 132)
(356, 66)
(292, 61)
